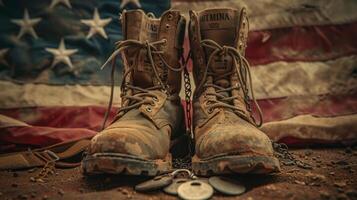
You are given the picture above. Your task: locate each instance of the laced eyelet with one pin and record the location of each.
(210, 111)
(148, 109)
(155, 99)
(164, 90)
(151, 15)
(170, 16)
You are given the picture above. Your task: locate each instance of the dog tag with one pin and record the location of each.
(195, 190)
(154, 184)
(172, 188)
(226, 185)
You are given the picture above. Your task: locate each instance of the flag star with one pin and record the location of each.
(26, 25)
(125, 2)
(3, 53)
(61, 55)
(96, 25)
(54, 3)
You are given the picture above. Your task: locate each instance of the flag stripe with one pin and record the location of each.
(308, 129)
(40, 136)
(266, 14)
(30, 95)
(91, 117)
(323, 106)
(316, 130)
(285, 79)
(281, 79)
(308, 43)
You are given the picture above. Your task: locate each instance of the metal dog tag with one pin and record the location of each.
(172, 188)
(195, 190)
(226, 185)
(154, 184)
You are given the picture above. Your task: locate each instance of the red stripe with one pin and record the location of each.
(304, 43)
(14, 138)
(91, 117)
(51, 125)
(324, 106)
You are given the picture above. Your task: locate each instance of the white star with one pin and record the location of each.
(96, 25)
(64, 2)
(125, 2)
(61, 55)
(3, 52)
(26, 25)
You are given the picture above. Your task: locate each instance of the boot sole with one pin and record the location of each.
(116, 163)
(240, 164)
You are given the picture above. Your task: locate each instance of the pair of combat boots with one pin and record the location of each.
(151, 117)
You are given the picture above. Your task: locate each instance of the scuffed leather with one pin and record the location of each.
(222, 131)
(146, 131)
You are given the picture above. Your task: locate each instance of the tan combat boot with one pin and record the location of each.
(227, 139)
(138, 140)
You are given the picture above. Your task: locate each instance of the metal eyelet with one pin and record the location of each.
(210, 111)
(167, 26)
(148, 109)
(155, 99)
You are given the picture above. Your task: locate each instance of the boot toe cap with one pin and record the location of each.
(241, 139)
(134, 142)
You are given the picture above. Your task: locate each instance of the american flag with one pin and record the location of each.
(303, 57)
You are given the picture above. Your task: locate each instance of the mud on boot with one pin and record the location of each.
(138, 140)
(227, 138)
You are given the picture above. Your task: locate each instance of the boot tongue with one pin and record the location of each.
(221, 26)
(139, 27)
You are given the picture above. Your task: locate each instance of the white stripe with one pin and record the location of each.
(28, 95)
(283, 79)
(279, 79)
(268, 14)
(334, 129)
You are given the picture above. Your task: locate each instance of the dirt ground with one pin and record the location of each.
(333, 176)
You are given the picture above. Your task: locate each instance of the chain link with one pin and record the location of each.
(49, 168)
(281, 151)
(185, 163)
(188, 93)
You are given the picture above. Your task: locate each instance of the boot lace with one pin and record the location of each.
(242, 70)
(138, 95)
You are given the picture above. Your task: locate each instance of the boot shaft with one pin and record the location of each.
(218, 39)
(136, 25)
(225, 26)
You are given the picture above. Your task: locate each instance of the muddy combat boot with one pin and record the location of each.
(137, 142)
(227, 139)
